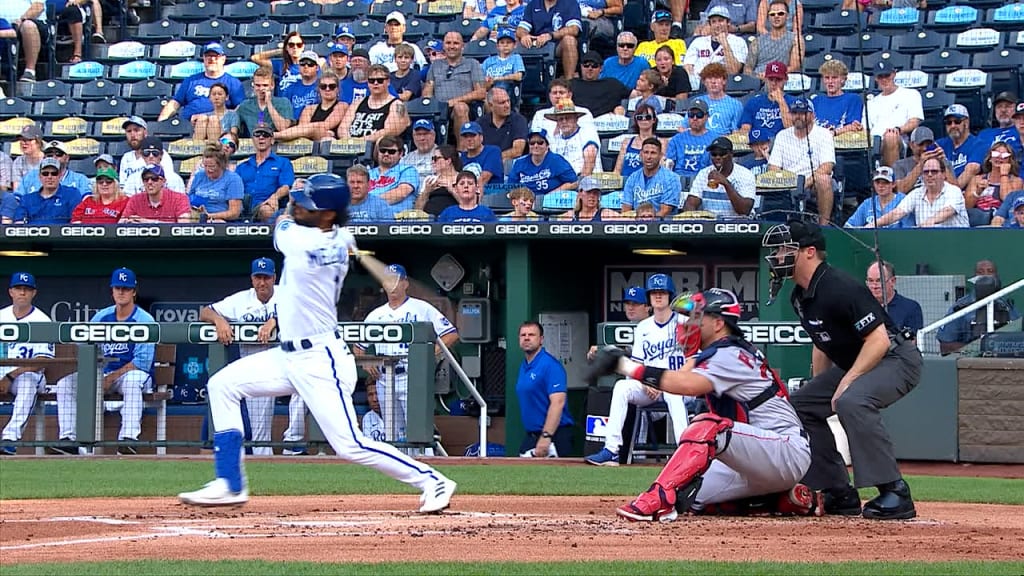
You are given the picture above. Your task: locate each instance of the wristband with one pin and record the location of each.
(545, 434)
(648, 375)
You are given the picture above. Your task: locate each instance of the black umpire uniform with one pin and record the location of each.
(838, 312)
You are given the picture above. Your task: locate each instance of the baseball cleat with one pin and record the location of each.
(215, 493)
(603, 458)
(655, 505)
(437, 497)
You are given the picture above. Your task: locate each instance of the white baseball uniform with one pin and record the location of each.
(767, 454)
(245, 306)
(653, 345)
(312, 361)
(28, 384)
(412, 310)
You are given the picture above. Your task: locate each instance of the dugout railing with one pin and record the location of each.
(988, 303)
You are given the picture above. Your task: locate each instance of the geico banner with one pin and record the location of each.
(108, 332)
(618, 278)
(375, 333)
(15, 332)
(777, 333)
(202, 333)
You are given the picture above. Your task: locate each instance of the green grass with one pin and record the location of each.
(84, 478)
(161, 568)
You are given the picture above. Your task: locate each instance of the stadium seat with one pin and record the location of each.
(972, 88)
(1008, 18)
(895, 19)
(262, 31)
(160, 31)
(85, 166)
(464, 26)
(170, 129)
(150, 108)
(741, 84)
(480, 50)
(175, 51)
(918, 42)
(83, 147)
(1004, 67)
(367, 31)
(379, 10)
(497, 201)
(308, 165)
(242, 70)
(781, 193)
(37, 91)
(916, 79)
(295, 12)
(612, 200)
(315, 30)
(813, 63)
(57, 108)
(857, 82)
(820, 6)
(98, 89)
(83, 71)
(555, 202)
(137, 70)
(12, 107)
(110, 130)
(540, 70)
(857, 44)
(952, 19)
(934, 103)
(816, 44)
(899, 61)
(417, 29)
(841, 23)
(210, 31)
(197, 11)
(14, 126)
(942, 61)
(247, 11)
(444, 10)
(977, 40)
(182, 70)
(347, 11)
(120, 52)
(434, 110)
(146, 90)
(108, 108)
(797, 83)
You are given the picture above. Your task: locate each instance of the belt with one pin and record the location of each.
(306, 343)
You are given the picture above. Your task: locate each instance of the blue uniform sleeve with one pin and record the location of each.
(527, 22)
(517, 64)
(555, 378)
(673, 189)
(573, 16)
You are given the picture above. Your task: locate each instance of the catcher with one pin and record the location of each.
(749, 452)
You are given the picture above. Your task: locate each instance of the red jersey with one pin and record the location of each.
(92, 211)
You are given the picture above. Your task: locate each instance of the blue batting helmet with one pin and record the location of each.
(662, 282)
(323, 192)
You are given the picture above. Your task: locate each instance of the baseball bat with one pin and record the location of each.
(388, 280)
(378, 270)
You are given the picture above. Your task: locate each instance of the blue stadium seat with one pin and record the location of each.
(262, 31)
(109, 108)
(44, 90)
(556, 202)
(182, 70)
(612, 200)
(137, 70)
(540, 70)
(57, 108)
(918, 42)
(497, 201)
(897, 19)
(120, 52)
(942, 61)
(13, 107)
(463, 26)
(430, 109)
(1008, 18)
(417, 29)
(236, 50)
(367, 30)
(247, 11)
(150, 108)
(379, 10)
(1004, 66)
(83, 71)
(347, 11)
(197, 11)
(295, 12)
(741, 85)
(812, 63)
(160, 31)
(816, 44)
(977, 40)
(972, 88)
(242, 70)
(841, 23)
(98, 89)
(316, 30)
(175, 51)
(953, 19)
(146, 90)
(480, 50)
(857, 44)
(170, 129)
(210, 31)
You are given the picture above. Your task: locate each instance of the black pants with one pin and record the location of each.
(561, 440)
(859, 410)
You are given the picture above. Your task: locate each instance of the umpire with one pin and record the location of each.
(861, 363)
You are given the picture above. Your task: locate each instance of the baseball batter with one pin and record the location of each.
(312, 360)
(402, 308)
(23, 382)
(127, 369)
(749, 444)
(255, 305)
(654, 344)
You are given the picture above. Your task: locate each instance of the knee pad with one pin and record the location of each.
(706, 437)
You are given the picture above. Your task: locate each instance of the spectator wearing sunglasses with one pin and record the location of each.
(687, 151)
(136, 130)
(306, 91)
(284, 62)
(596, 92)
(645, 123)
(963, 149)
(152, 151)
(379, 114)
(105, 204)
(51, 202)
(724, 188)
(267, 177)
(625, 66)
(56, 150)
(541, 170)
(317, 121)
(156, 203)
(193, 94)
(390, 180)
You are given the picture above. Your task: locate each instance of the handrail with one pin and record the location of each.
(987, 302)
(473, 391)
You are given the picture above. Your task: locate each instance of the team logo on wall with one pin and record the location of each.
(742, 280)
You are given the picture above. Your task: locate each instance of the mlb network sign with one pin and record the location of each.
(108, 332)
(777, 333)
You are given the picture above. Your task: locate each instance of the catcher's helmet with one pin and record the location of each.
(323, 192)
(720, 302)
(725, 304)
(661, 282)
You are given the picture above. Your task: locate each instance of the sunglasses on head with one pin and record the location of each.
(48, 173)
(328, 86)
(695, 114)
(627, 45)
(376, 80)
(151, 153)
(643, 117)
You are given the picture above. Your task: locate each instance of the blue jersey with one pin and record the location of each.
(501, 19)
(1010, 135)
(215, 194)
(261, 181)
(285, 77)
(478, 213)
(141, 355)
(554, 171)
(866, 212)
(627, 74)
(662, 188)
(411, 82)
(373, 209)
(723, 115)
(756, 166)
(834, 112)
(489, 159)
(537, 381)
(56, 209)
(690, 152)
(763, 114)
(960, 156)
(631, 161)
(496, 66)
(193, 94)
(537, 19)
(301, 96)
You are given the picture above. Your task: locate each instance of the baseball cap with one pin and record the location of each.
(720, 11)
(359, 53)
(883, 173)
(122, 278)
(592, 56)
(263, 267)
(755, 136)
(106, 172)
(883, 68)
(55, 145)
(776, 69)
(264, 128)
(1005, 96)
(398, 270)
(1019, 110)
(634, 294)
(309, 55)
(699, 105)
(339, 48)
(922, 134)
(471, 128)
(396, 16)
(806, 234)
(542, 133)
(151, 143)
(957, 111)
(155, 170)
(104, 158)
(344, 31)
(49, 163)
(721, 143)
(137, 120)
(30, 132)
(1018, 203)
(589, 183)
(214, 47)
(509, 34)
(423, 124)
(23, 279)
(435, 46)
(661, 16)
(801, 105)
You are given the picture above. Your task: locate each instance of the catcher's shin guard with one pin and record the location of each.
(707, 436)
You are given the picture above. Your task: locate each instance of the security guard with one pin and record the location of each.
(861, 363)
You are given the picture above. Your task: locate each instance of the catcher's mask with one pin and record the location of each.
(714, 301)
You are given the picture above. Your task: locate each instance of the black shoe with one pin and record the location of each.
(892, 503)
(843, 501)
(69, 448)
(124, 449)
(677, 31)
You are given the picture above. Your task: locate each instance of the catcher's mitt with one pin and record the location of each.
(605, 360)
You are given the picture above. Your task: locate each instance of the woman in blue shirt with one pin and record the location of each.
(284, 62)
(541, 170)
(216, 191)
(645, 123)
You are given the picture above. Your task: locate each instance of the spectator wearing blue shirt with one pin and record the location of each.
(559, 21)
(1006, 213)
(52, 202)
(652, 183)
(1003, 108)
(723, 111)
(760, 147)
(768, 111)
(193, 94)
(8, 207)
(500, 18)
(905, 313)
(487, 157)
(836, 110)
(395, 183)
(883, 202)
(286, 66)
(305, 91)
(468, 209)
(625, 67)
(961, 147)
(1017, 209)
(541, 170)
(505, 70)
(435, 51)
(405, 81)
(541, 388)
(688, 150)
(364, 207)
(215, 190)
(267, 178)
(69, 178)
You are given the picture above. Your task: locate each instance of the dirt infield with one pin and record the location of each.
(478, 529)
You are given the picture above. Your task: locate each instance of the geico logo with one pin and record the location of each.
(674, 228)
(737, 228)
(192, 231)
(247, 230)
(572, 229)
(462, 229)
(409, 229)
(625, 229)
(775, 334)
(369, 333)
(27, 231)
(622, 335)
(111, 333)
(83, 231)
(517, 229)
(138, 231)
(239, 333)
(363, 230)
(9, 333)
